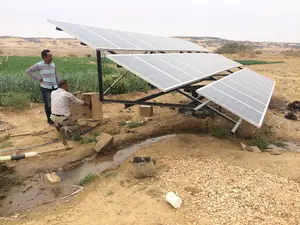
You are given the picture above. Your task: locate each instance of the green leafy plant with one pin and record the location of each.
(88, 179)
(220, 132)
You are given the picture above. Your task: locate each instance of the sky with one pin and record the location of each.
(253, 20)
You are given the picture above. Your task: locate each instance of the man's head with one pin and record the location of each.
(47, 56)
(63, 84)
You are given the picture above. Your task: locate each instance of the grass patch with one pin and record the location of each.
(14, 99)
(257, 62)
(220, 132)
(278, 144)
(85, 140)
(88, 179)
(131, 124)
(6, 144)
(95, 134)
(262, 144)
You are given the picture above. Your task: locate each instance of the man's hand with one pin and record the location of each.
(87, 104)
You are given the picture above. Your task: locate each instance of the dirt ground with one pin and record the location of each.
(218, 182)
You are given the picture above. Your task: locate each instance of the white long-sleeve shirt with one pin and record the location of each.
(61, 100)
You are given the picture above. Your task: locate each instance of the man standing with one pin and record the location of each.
(61, 112)
(48, 80)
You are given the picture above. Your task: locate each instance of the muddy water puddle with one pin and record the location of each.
(19, 200)
(75, 175)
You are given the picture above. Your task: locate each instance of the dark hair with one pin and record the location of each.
(62, 82)
(44, 53)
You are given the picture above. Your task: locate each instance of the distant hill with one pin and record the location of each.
(69, 46)
(214, 43)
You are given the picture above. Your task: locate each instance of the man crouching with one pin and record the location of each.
(61, 113)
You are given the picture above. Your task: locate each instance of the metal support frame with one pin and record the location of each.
(143, 101)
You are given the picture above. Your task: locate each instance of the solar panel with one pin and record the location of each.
(244, 93)
(171, 71)
(106, 39)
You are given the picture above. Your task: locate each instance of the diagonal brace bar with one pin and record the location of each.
(202, 105)
(197, 100)
(114, 83)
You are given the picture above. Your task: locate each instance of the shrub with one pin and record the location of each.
(234, 48)
(259, 142)
(291, 53)
(258, 52)
(72, 55)
(220, 132)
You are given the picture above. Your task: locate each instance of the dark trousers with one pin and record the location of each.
(46, 93)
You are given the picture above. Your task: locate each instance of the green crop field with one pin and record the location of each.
(16, 87)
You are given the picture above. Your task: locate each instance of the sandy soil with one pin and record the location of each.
(218, 182)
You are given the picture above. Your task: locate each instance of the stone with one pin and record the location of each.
(243, 146)
(143, 167)
(104, 141)
(255, 149)
(275, 152)
(250, 148)
(52, 178)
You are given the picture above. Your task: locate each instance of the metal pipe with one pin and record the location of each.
(114, 83)
(100, 75)
(18, 157)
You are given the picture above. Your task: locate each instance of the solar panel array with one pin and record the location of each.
(171, 71)
(244, 93)
(106, 39)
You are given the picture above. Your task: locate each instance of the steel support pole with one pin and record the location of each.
(100, 75)
(236, 126)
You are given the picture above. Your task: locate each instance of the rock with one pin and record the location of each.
(143, 167)
(275, 152)
(104, 141)
(255, 149)
(51, 178)
(250, 148)
(243, 146)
